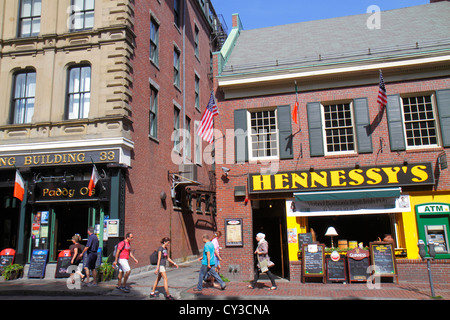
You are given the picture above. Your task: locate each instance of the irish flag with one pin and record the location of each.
(19, 186)
(94, 179)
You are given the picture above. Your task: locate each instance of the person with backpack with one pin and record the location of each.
(163, 257)
(123, 253)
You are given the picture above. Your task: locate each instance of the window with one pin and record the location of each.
(177, 12)
(23, 98)
(196, 42)
(82, 17)
(176, 68)
(339, 132)
(420, 122)
(263, 135)
(187, 138)
(154, 41)
(153, 112)
(197, 144)
(79, 92)
(197, 92)
(176, 129)
(30, 18)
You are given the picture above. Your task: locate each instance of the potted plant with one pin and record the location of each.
(105, 271)
(12, 271)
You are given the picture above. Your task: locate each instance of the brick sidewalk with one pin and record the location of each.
(293, 291)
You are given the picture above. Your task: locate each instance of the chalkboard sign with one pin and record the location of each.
(313, 262)
(38, 263)
(62, 265)
(357, 269)
(382, 254)
(304, 238)
(336, 269)
(5, 261)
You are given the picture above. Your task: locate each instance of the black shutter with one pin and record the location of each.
(362, 122)
(315, 129)
(395, 123)
(240, 136)
(285, 132)
(443, 104)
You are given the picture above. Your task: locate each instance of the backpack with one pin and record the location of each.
(154, 258)
(115, 249)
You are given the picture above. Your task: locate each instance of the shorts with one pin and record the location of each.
(123, 265)
(162, 269)
(91, 260)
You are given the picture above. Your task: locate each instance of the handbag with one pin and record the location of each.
(264, 266)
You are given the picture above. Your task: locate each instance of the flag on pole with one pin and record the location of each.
(382, 98)
(19, 186)
(206, 127)
(95, 177)
(295, 111)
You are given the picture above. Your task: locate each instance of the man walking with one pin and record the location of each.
(91, 257)
(208, 264)
(123, 253)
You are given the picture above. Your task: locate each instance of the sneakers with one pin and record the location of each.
(124, 289)
(169, 297)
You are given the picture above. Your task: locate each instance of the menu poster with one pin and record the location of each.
(233, 233)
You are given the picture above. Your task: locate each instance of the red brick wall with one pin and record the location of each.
(152, 159)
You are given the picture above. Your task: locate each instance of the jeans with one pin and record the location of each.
(203, 271)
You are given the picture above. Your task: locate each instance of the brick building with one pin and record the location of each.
(367, 172)
(105, 83)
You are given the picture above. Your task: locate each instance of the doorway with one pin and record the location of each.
(69, 220)
(269, 217)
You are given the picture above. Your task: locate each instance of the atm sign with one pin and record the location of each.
(433, 208)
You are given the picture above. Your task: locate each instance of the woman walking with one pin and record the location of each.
(263, 261)
(163, 257)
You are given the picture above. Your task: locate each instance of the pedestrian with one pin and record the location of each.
(208, 265)
(123, 253)
(163, 257)
(77, 259)
(90, 257)
(262, 258)
(217, 256)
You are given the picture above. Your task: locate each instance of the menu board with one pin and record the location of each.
(304, 238)
(313, 262)
(5, 260)
(336, 269)
(38, 263)
(62, 265)
(358, 262)
(383, 259)
(233, 233)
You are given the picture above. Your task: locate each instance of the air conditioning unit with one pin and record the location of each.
(188, 171)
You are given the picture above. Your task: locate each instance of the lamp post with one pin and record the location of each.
(331, 232)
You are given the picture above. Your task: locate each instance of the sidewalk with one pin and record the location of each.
(183, 280)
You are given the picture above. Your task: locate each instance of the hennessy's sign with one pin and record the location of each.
(347, 178)
(61, 158)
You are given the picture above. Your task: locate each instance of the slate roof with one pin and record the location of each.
(402, 31)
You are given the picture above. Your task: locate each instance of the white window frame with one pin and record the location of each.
(436, 120)
(251, 134)
(352, 114)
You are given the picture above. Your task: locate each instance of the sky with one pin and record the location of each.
(267, 13)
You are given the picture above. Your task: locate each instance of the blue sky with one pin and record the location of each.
(267, 13)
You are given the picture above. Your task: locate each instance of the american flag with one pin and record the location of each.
(382, 99)
(206, 130)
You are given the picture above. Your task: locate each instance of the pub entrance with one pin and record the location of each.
(269, 217)
(70, 220)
